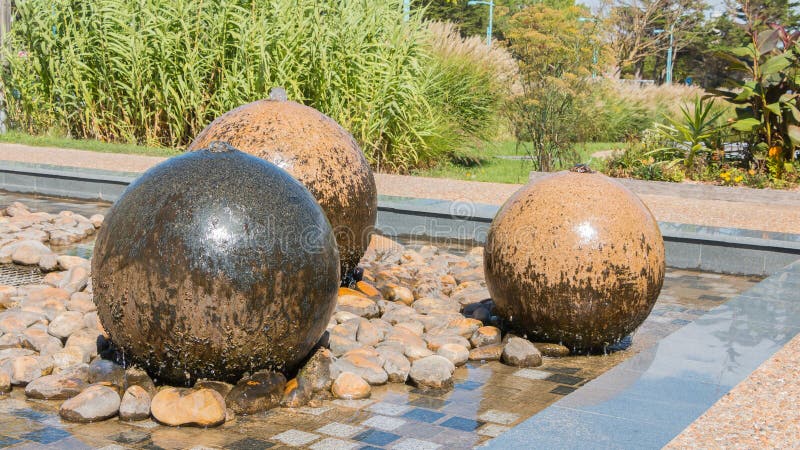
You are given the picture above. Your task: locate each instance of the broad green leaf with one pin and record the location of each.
(793, 109)
(744, 95)
(743, 51)
(746, 125)
(794, 134)
(775, 108)
(775, 65)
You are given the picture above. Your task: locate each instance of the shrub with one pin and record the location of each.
(156, 72)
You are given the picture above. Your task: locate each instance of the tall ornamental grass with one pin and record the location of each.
(156, 72)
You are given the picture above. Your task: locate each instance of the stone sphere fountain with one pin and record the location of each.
(213, 264)
(574, 258)
(318, 152)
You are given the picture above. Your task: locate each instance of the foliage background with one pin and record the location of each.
(155, 72)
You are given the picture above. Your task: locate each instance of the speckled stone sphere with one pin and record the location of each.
(574, 258)
(212, 264)
(319, 153)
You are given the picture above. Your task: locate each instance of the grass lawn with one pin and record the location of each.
(499, 170)
(15, 137)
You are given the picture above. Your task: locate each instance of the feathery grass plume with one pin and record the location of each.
(156, 72)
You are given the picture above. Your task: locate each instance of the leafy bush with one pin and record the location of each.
(691, 136)
(768, 102)
(156, 72)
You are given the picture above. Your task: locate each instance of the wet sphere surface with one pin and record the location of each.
(214, 263)
(574, 258)
(319, 153)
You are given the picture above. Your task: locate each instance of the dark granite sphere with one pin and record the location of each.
(574, 258)
(319, 153)
(212, 264)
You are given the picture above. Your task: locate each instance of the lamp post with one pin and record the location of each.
(669, 50)
(490, 4)
(594, 45)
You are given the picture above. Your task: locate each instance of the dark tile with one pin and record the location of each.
(563, 390)
(130, 437)
(564, 379)
(376, 437)
(423, 415)
(566, 370)
(681, 322)
(30, 414)
(46, 435)
(429, 402)
(250, 444)
(369, 447)
(430, 392)
(6, 441)
(715, 298)
(468, 385)
(461, 423)
(149, 445)
(696, 312)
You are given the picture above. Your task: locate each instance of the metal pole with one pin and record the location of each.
(669, 58)
(489, 28)
(406, 10)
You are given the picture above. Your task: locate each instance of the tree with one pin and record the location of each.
(554, 51)
(637, 29)
(472, 20)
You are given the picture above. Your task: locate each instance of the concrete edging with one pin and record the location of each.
(712, 249)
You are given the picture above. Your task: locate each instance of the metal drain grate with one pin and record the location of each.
(14, 275)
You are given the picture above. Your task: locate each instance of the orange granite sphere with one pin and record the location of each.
(316, 151)
(574, 258)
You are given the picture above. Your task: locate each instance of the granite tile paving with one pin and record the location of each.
(487, 399)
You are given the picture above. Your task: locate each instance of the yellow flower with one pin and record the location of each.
(738, 179)
(751, 172)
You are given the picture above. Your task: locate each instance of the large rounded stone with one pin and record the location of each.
(574, 258)
(212, 264)
(319, 153)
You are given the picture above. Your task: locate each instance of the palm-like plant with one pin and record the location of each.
(690, 135)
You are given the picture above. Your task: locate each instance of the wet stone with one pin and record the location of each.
(369, 334)
(296, 394)
(221, 387)
(65, 324)
(486, 353)
(456, 354)
(358, 305)
(81, 302)
(135, 376)
(55, 387)
(395, 364)
(366, 365)
(316, 372)
(520, 352)
(340, 345)
(552, 350)
(105, 371)
(256, 393)
(349, 386)
(69, 356)
(432, 372)
(93, 404)
(5, 381)
(187, 407)
(135, 404)
(485, 336)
